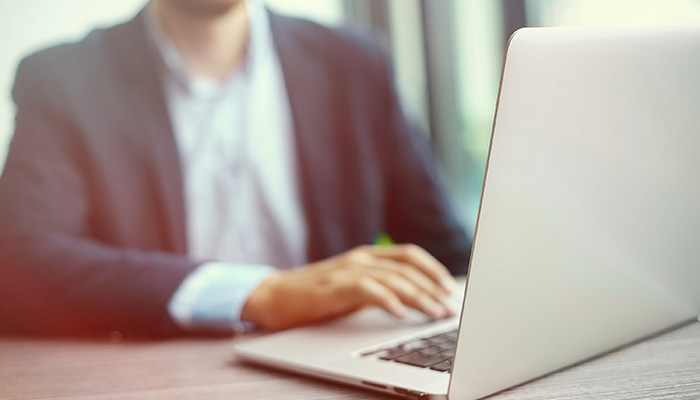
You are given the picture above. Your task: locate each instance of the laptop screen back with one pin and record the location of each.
(588, 230)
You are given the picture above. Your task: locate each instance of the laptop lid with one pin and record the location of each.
(587, 236)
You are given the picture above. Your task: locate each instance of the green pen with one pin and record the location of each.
(382, 240)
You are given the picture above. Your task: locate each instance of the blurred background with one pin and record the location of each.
(447, 56)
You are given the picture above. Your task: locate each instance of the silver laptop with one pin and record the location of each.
(588, 231)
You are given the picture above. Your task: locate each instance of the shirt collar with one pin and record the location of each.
(259, 43)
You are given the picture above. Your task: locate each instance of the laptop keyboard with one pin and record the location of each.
(435, 352)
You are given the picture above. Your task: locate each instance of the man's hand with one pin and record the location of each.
(389, 277)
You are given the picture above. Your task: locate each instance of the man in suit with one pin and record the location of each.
(211, 166)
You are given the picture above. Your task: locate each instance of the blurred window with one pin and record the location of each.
(31, 25)
(480, 42)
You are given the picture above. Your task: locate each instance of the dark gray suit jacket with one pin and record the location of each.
(92, 226)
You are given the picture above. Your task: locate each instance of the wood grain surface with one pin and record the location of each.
(665, 367)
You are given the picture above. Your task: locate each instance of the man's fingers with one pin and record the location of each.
(422, 260)
(372, 292)
(412, 274)
(413, 296)
(413, 286)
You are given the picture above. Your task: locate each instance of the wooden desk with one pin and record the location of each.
(666, 367)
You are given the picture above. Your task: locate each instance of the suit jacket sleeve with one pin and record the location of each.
(55, 278)
(417, 208)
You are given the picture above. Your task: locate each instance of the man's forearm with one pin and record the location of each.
(64, 284)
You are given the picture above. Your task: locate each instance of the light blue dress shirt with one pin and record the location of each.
(236, 145)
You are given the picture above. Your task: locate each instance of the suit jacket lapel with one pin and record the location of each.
(135, 59)
(309, 102)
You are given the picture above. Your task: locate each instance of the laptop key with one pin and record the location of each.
(445, 346)
(430, 350)
(418, 344)
(441, 338)
(393, 352)
(442, 366)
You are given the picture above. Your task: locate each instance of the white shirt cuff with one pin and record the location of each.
(212, 296)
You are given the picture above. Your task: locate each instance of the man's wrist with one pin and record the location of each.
(259, 306)
(212, 296)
